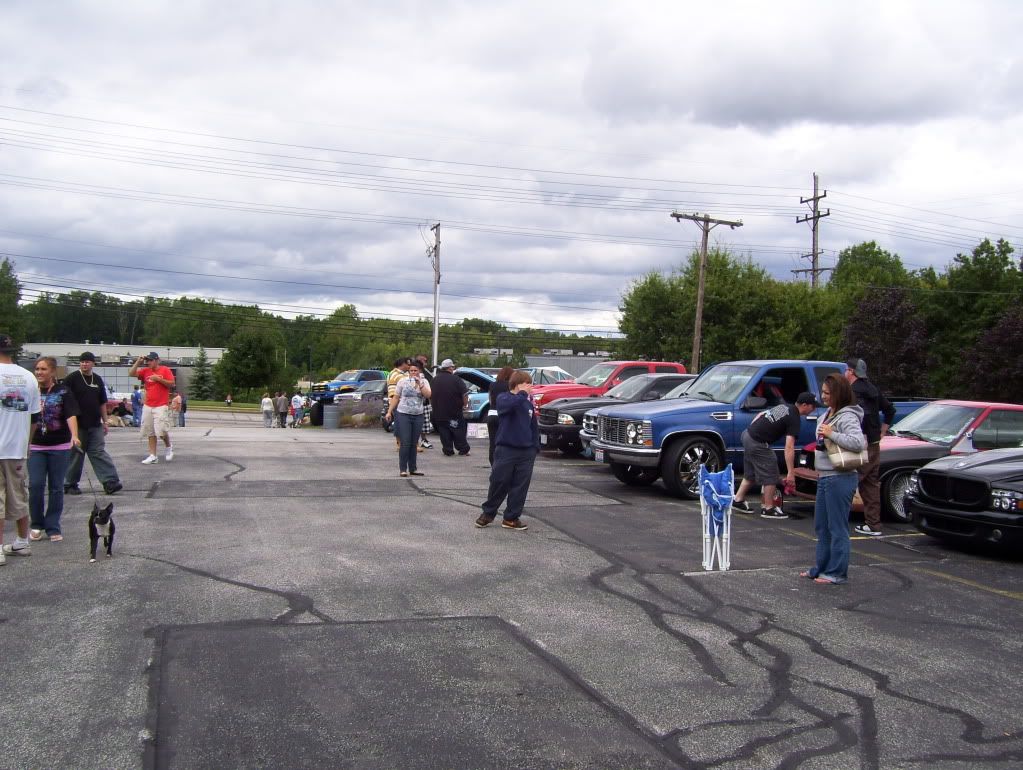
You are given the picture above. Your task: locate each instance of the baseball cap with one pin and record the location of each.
(806, 398)
(447, 363)
(858, 366)
(87, 356)
(152, 355)
(7, 344)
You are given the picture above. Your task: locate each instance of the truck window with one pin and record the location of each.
(629, 372)
(664, 369)
(1002, 429)
(781, 385)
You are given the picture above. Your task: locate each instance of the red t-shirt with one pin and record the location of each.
(157, 394)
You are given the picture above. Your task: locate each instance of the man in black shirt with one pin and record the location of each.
(759, 461)
(449, 397)
(91, 393)
(878, 414)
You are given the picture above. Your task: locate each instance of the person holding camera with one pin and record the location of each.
(406, 408)
(157, 381)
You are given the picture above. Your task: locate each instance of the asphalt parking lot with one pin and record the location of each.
(281, 598)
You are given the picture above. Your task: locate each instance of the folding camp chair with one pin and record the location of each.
(716, 492)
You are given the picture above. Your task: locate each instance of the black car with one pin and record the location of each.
(560, 420)
(972, 499)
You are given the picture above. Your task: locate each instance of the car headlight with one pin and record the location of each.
(589, 423)
(1006, 500)
(357, 396)
(565, 419)
(914, 484)
(632, 432)
(638, 433)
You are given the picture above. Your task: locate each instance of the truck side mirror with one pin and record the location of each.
(651, 395)
(752, 403)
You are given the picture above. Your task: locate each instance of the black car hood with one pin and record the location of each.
(1002, 465)
(579, 406)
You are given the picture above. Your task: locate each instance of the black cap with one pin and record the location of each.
(87, 356)
(7, 344)
(152, 355)
(806, 398)
(858, 366)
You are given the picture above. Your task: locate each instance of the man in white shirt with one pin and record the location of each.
(19, 414)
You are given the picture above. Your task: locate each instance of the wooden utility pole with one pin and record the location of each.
(706, 225)
(814, 217)
(435, 261)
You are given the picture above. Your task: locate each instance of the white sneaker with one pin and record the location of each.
(16, 549)
(151, 460)
(170, 454)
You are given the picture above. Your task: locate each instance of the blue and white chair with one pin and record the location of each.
(716, 492)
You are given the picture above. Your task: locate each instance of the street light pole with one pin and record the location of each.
(435, 261)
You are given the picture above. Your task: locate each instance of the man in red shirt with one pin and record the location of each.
(157, 381)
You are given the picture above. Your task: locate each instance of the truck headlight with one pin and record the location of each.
(1006, 500)
(565, 419)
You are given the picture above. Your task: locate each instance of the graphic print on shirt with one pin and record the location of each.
(52, 417)
(779, 412)
(13, 394)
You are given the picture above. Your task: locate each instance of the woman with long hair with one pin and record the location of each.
(835, 488)
(50, 451)
(407, 408)
(499, 386)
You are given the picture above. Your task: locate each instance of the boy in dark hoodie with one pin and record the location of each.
(878, 414)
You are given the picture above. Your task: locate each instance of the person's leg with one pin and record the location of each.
(767, 495)
(500, 481)
(820, 526)
(37, 488)
(406, 447)
(417, 429)
(77, 461)
(870, 488)
(458, 434)
(522, 474)
(491, 436)
(444, 434)
(99, 458)
(840, 494)
(56, 467)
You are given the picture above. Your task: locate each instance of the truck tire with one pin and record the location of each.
(893, 488)
(680, 467)
(634, 475)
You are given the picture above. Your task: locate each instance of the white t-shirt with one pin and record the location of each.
(19, 398)
(267, 404)
(296, 401)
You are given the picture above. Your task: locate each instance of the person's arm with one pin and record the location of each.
(790, 459)
(393, 403)
(135, 367)
(72, 423)
(888, 410)
(424, 388)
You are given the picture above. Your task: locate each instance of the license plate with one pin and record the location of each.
(598, 455)
(543, 439)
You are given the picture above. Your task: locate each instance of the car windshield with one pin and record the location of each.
(351, 374)
(596, 375)
(372, 385)
(937, 423)
(629, 389)
(679, 390)
(721, 383)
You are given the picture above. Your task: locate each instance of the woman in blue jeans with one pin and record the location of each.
(835, 488)
(56, 436)
(407, 408)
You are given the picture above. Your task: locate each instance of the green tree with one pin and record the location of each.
(10, 297)
(993, 369)
(202, 383)
(253, 361)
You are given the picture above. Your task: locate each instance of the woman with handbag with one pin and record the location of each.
(841, 449)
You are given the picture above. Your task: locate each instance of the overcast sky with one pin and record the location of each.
(295, 154)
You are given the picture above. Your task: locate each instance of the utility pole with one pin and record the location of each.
(706, 225)
(814, 217)
(435, 261)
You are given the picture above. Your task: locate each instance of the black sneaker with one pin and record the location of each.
(72, 489)
(484, 521)
(866, 529)
(773, 513)
(425, 444)
(741, 506)
(114, 488)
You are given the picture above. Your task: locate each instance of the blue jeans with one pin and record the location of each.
(95, 445)
(510, 477)
(408, 427)
(831, 522)
(46, 470)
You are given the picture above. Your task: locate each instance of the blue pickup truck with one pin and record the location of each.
(346, 381)
(671, 439)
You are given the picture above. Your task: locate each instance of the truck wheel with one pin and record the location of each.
(634, 475)
(680, 468)
(892, 491)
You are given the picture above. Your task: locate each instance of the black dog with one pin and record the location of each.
(101, 522)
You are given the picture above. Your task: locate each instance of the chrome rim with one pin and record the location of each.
(690, 462)
(897, 488)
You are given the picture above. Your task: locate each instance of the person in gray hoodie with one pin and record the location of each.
(835, 488)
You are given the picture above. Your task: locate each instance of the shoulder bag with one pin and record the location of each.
(845, 459)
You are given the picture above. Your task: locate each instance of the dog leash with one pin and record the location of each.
(88, 476)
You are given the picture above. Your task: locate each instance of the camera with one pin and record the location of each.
(820, 444)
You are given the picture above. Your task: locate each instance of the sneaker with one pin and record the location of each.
(484, 521)
(866, 529)
(170, 454)
(741, 506)
(72, 489)
(426, 444)
(113, 489)
(17, 550)
(773, 512)
(3, 559)
(514, 524)
(464, 454)
(151, 460)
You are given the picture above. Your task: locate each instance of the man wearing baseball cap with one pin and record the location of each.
(157, 380)
(760, 464)
(91, 393)
(19, 415)
(450, 396)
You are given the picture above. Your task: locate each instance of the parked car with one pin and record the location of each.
(479, 383)
(374, 390)
(344, 382)
(600, 378)
(936, 429)
(561, 420)
(972, 499)
(671, 439)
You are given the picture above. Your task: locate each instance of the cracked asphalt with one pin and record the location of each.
(281, 598)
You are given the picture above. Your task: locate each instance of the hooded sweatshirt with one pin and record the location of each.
(846, 432)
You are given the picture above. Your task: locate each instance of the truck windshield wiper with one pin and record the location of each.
(909, 434)
(705, 393)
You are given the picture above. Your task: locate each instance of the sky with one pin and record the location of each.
(295, 155)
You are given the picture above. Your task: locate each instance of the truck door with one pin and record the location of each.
(782, 385)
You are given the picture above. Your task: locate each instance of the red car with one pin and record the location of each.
(600, 378)
(934, 430)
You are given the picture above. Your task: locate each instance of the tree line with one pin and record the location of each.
(950, 333)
